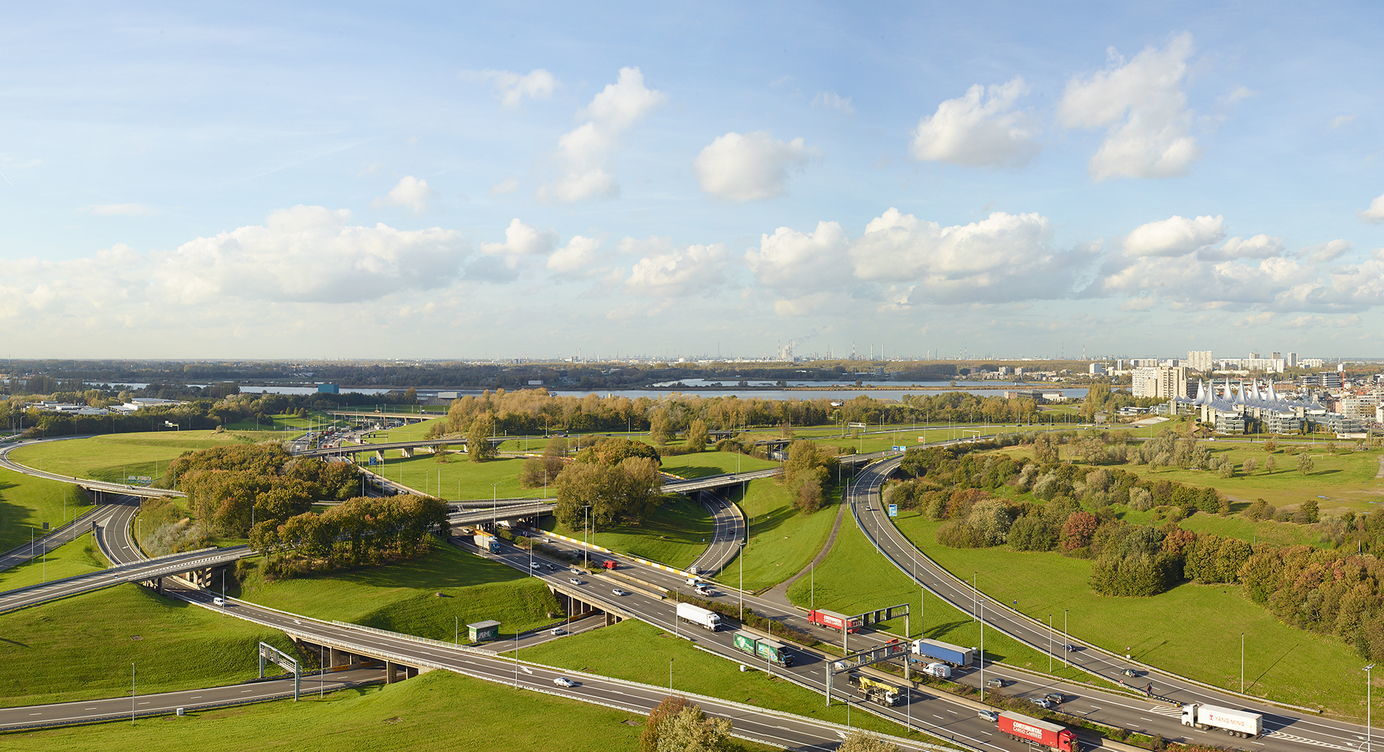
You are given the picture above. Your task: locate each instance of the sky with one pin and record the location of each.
(502, 180)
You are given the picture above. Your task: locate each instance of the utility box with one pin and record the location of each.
(483, 630)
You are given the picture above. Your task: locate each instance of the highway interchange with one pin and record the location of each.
(933, 712)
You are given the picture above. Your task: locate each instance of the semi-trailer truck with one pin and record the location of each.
(699, 616)
(1241, 723)
(833, 620)
(876, 691)
(770, 650)
(487, 542)
(1038, 732)
(945, 652)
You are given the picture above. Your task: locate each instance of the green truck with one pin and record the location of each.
(763, 647)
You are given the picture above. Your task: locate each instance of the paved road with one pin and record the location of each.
(1286, 730)
(727, 533)
(114, 708)
(57, 537)
(87, 483)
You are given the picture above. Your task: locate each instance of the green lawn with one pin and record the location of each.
(458, 477)
(675, 534)
(289, 423)
(403, 597)
(855, 577)
(113, 457)
(419, 714)
(82, 647)
(1282, 533)
(607, 652)
(1192, 629)
(702, 464)
(27, 502)
(416, 431)
(78, 557)
(781, 540)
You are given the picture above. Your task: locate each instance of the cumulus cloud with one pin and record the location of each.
(1375, 212)
(748, 167)
(583, 151)
(791, 261)
(310, 254)
(508, 185)
(1328, 251)
(1141, 105)
(522, 240)
(1175, 236)
(830, 100)
(120, 210)
(578, 256)
(410, 193)
(514, 88)
(678, 272)
(980, 128)
(1256, 246)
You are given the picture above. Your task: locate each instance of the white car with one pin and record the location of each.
(218, 601)
(618, 591)
(563, 681)
(575, 581)
(535, 566)
(557, 631)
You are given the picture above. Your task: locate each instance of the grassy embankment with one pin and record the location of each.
(27, 502)
(607, 651)
(675, 534)
(82, 647)
(69, 560)
(403, 597)
(855, 577)
(1192, 629)
(781, 540)
(113, 457)
(287, 423)
(419, 714)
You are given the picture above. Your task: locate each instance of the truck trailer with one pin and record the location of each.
(770, 650)
(487, 542)
(945, 652)
(1038, 732)
(833, 620)
(876, 691)
(1241, 723)
(700, 616)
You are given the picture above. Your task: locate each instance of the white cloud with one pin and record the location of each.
(980, 128)
(514, 87)
(1257, 246)
(1175, 236)
(1375, 212)
(748, 167)
(578, 256)
(830, 100)
(1340, 121)
(310, 254)
(794, 262)
(508, 185)
(1141, 105)
(522, 240)
(410, 192)
(678, 272)
(1328, 251)
(120, 210)
(583, 151)
(1239, 94)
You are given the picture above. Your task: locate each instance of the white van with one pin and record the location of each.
(218, 601)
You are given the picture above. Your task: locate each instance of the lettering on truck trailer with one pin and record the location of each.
(1023, 729)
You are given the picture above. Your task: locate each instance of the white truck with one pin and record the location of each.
(699, 616)
(938, 670)
(1241, 723)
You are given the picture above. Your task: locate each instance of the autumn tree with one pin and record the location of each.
(806, 473)
(697, 435)
(478, 443)
(860, 741)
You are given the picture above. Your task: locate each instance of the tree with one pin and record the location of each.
(540, 471)
(860, 741)
(660, 429)
(806, 473)
(1305, 463)
(1269, 464)
(697, 435)
(478, 443)
(1032, 533)
(1306, 512)
(1077, 531)
(664, 711)
(679, 726)
(623, 493)
(614, 450)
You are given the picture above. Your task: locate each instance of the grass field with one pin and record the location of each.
(113, 457)
(1338, 481)
(1282, 533)
(82, 647)
(1192, 629)
(289, 423)
(403, 597)
(855, 577)
(675, 534)
(436, 711)
(458, 477)
(27, 502)
(606, 651)
(702, 464)
(907, 435)
(781, 540)
(78, 557)
(416, 431)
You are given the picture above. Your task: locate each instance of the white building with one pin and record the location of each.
(1199, 360)
(1097, 369)
(1161, 382)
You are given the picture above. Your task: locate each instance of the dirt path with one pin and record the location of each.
(779, 592)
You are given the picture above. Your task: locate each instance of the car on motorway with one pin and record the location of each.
(575, 570)
(557, 631)
(1041, 702)
(995, 683)
(535, 566)
(563, 681)
(576, 580)
(1130, 672)
(989, 715)
(618, 591)
(1056, 698)
(218, 601)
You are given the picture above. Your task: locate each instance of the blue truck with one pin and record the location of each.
(944, 652)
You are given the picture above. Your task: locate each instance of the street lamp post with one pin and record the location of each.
(1369, 725)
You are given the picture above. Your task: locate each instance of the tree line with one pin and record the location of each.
(362, 531)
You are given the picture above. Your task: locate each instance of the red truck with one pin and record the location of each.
(1034, 731)
(608, 564)
(833, 620)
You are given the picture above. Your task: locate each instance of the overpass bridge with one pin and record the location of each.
(392, 415)
(98, 486)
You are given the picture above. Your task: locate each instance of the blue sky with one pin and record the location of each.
(349, 180)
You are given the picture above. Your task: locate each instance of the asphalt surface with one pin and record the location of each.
(114, 708)
(727, 533)
(1284, 730)
(57, 537)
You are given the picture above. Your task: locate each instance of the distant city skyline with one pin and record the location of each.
(999, 180)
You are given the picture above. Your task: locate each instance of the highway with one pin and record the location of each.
(727, 533)
(57, 537)
(87, 483)
(1284, 730)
